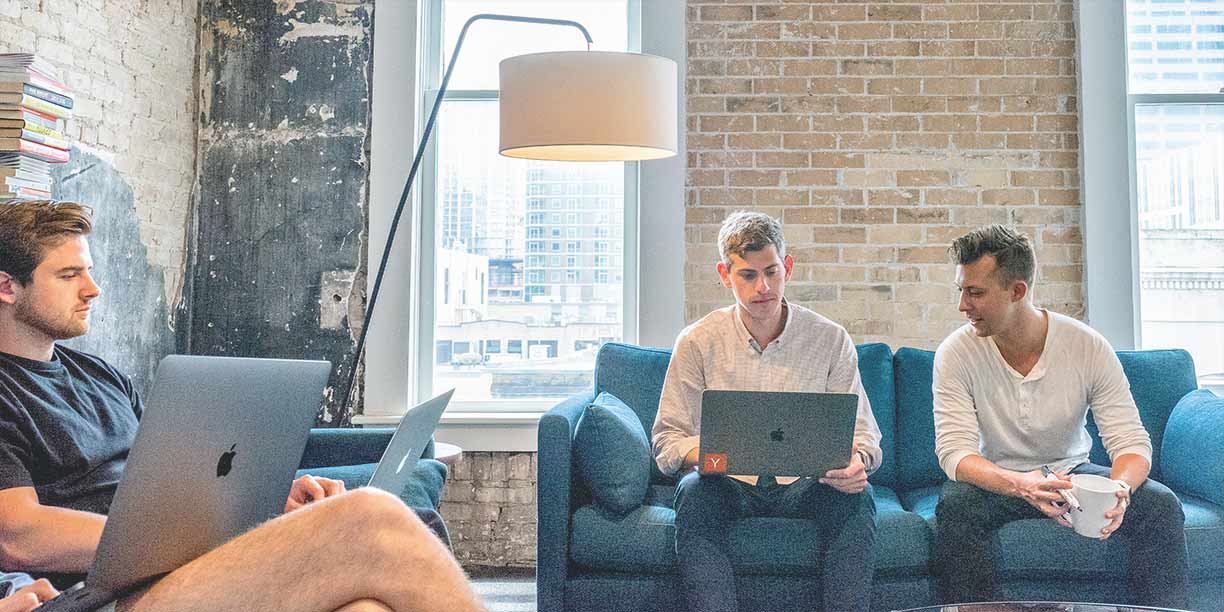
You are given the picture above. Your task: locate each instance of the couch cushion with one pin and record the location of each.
(1196, 425)
(612, 454)
(643, 541)
(422, 490)
(876, 370)
(1158, 380)
(634, 374)
(1204, 536)
(916, 461)
(902, 546)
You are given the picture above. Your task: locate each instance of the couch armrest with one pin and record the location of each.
(554, 482)
(1193, 443)
(332, 446)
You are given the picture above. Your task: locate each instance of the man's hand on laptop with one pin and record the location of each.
(29, 597)
(311, 489)
(850, 479)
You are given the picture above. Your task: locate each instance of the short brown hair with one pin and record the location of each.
(743, 232)
(29, 229)
(1012, 251)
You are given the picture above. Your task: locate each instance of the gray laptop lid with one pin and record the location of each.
(215, 455)
(776, 433)
(408, 443)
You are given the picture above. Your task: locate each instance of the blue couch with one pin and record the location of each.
(594, 561)
(350, 455)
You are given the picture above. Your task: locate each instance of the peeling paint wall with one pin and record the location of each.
(131, 67)
(284, 123)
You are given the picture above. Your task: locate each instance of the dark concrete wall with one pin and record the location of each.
(284, 124)
(130, 325)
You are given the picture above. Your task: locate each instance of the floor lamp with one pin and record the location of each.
(560, 106)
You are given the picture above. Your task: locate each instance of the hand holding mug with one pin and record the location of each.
(1118, 512)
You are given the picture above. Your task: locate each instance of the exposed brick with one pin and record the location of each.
(864, 31)
(726, 13)
(838, 12)
(922, 178)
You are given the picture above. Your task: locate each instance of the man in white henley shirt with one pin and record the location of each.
(764, 343)
(1012, 389)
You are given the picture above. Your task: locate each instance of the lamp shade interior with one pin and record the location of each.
(588, 106)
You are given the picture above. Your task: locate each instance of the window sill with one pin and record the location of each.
(513, 432)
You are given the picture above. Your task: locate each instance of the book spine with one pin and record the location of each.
(50, 141)
(47, 95)
(16, 183)
(43, 152)
(39, 128)
(32, 116)
(43, 106)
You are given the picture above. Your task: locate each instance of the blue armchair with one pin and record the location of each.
(350, 455)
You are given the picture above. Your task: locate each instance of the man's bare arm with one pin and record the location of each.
(35, 538)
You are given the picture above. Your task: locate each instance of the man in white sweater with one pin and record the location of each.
(764, 343)
(1012, 389)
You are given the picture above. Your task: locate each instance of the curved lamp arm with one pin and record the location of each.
(416, 163)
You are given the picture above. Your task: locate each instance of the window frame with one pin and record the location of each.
(1112, 283)
(432, 55)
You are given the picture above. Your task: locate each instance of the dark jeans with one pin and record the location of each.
(967, 517)
(707, 506)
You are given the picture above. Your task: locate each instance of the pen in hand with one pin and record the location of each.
(1066, 495)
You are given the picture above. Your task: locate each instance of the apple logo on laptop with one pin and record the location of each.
(399, 468)
(777, 435)
(226, 463)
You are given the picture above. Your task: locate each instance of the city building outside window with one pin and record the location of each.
(1175, 65)
(487, 213)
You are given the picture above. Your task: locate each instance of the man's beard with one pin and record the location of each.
(58, 328)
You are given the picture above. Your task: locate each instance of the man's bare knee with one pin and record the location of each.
(365, 605)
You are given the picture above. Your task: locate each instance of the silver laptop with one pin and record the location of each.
(215, 455)
(775, 433)
(408, 443)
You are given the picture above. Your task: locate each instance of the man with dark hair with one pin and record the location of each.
(764, 343)
(68, 419)
(1012, 389)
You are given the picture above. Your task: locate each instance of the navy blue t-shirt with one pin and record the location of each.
(66, 427)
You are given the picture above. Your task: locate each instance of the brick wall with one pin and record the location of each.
(131, 66)
(489, 505)
(878, 132)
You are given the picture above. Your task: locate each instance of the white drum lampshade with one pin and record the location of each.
(588, 106)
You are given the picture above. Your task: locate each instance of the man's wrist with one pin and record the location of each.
(865, 457)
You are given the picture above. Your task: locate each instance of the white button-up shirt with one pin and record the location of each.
(985, 407)
(813, 354)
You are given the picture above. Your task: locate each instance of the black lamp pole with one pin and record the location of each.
(416, 163)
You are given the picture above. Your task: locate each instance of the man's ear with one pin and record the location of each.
(8, 288)
(788, 262)
(1020, 290)
(724, 273)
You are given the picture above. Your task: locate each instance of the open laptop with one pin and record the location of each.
(408, 443)
(776, 433)
(215, 455)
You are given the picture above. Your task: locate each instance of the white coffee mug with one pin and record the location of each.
(1096, 495)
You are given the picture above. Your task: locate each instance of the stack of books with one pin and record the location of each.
(34, 105)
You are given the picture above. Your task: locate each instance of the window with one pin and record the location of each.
(1178, 165)
(514, 212)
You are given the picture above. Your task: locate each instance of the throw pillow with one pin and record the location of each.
(613, 454)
